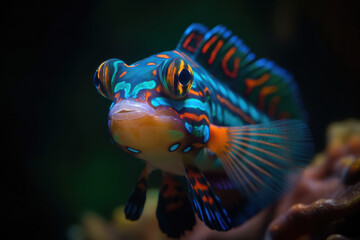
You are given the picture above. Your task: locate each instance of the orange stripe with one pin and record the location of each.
(273, 104)
(130, 66)
(251, 83)
(194, 92)
(259, 141)
(230, 165)
(174, 111)
(259, 149)
(263, 134)
(244, 168)
(195, 117)
(247, 129)
(215, 51)
(158, 88)
(154, 72)
(163, 56)
(255, 156)
(177, 52)
(226, 58)
(206, 89)
(150, 63)
(263, 93)
(235, 109)
(187, 41)
(208, 44)
(122, 74)
(252, 164)
(147, 95)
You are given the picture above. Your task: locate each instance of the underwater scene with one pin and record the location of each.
(188, 120)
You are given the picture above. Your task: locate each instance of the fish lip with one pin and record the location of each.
(130, 110)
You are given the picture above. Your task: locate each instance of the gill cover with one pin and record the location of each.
(104, 78)
(176, 76)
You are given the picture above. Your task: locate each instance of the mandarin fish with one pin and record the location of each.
(211, 115)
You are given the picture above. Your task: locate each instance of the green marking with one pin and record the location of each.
(116, 138)
(176, 135)
(198, 131)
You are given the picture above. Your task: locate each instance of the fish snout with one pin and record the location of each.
(130, 110)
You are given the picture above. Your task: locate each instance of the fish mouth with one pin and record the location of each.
(130, 110)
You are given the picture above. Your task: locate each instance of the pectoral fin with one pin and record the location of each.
(259, 159)
(206, 204)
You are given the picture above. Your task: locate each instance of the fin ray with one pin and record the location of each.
(260, 158)
(206, 203)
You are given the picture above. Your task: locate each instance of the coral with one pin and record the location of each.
(326, 202)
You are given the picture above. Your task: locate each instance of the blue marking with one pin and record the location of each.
(207, 214)
(227, 34)
(243, 105)
(123, 86)
(144, 85)
(269, 64)
(178, 105)
(231, 119)
(220, 220)
(244, 49)
(174, 147)
(222, 90)
(188, 30)
(232, 97)
(189, 127)
(219, 113)
(133, 150)
(251, 57)
(254, 113)
(187, 149)
(206, 133)
(213, 110)
(261, 62)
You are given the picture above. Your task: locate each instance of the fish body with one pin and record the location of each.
(209, 111)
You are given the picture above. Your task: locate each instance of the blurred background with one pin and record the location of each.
(58, 161)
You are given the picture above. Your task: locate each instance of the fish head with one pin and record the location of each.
(156, 111)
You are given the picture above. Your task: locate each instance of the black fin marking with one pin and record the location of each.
(174, 211)
(135, 204)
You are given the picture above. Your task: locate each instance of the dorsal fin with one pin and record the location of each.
(192, 38)
(270, 88)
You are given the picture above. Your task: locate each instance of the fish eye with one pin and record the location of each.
(177, 77)
(103, 78)
(184, 77)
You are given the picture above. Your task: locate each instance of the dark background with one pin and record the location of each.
(58, 161)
